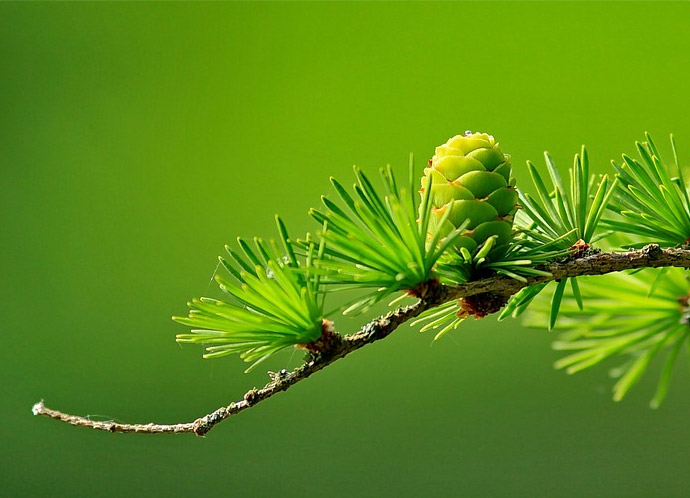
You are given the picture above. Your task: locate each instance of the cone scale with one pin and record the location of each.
(470, 176)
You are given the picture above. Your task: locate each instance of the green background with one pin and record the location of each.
(137, 139)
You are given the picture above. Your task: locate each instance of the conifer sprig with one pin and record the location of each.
(650, 202)
(565, 214)
(636, 316)
(562, 219)
(276, 302)
(376, 241)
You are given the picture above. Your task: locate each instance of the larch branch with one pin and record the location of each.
(651, 256)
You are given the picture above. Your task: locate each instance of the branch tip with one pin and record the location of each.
(38, 408)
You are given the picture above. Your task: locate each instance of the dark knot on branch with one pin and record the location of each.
(652, 251)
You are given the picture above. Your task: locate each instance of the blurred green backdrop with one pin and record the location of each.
(137, 139)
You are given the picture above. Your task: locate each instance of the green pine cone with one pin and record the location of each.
(471, 177)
